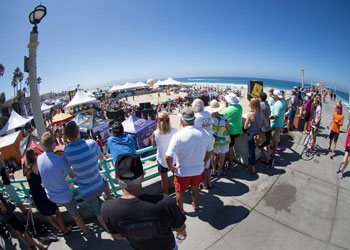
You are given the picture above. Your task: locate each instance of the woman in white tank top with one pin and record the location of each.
(161, 139)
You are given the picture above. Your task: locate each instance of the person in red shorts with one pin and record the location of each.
(193, 147)
(345, 162)
(337, 121)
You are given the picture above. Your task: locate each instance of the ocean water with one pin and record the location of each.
(243, 82)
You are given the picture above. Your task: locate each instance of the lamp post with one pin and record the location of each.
(302, 77)
(35, 17)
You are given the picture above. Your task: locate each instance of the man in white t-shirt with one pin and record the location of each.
(271, 100)
(317, 120)
(193, 147)
(203, 120)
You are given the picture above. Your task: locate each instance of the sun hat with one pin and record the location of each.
(128, 166)
(215, 106)
(187, 115)
(231, 98)
(277, 93)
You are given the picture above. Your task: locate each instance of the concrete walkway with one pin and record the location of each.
(300, 204)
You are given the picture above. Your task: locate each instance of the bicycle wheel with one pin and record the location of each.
(306, 143)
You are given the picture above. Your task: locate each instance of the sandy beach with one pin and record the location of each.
(174, 118)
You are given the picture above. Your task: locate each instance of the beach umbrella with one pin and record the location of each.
(61, 118)
(167, 99)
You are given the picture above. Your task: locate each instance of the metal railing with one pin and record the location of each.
(23, 191)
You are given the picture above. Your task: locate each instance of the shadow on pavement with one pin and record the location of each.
(346, 174)
(232, 188)
(263, 169)
(218, 215)
(239, 173)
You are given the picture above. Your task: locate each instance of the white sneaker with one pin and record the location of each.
(341, 176)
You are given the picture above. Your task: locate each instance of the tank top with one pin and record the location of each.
(163, 141)
(254, 126)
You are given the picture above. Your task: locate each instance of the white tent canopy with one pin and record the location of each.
(114, 88)
(8, 139)
(14, 122)
(168, 82)
(80, 98)
(140, 84)
(128, 85)
(171, 81)
(45, 107)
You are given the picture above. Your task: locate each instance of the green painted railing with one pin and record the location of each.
(23, 191)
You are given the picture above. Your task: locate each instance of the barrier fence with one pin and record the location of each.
(24, 190)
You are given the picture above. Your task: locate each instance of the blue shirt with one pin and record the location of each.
(120, 145)
(83, 157)
(278, 110)
(53, 169)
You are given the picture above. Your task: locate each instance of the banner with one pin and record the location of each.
(254, 88)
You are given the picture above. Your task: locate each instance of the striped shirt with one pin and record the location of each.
(220, 132)
(83, 157)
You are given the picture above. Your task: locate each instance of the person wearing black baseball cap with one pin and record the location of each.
(145, 220)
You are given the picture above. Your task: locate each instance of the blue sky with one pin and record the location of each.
(92, 43)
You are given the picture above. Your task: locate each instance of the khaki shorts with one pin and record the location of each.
(275, 134)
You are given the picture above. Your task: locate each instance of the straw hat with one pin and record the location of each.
(215, 106)
(231, 98)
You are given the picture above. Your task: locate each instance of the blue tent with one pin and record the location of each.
(140, 129)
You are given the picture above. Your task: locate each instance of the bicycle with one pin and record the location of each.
(308, 150)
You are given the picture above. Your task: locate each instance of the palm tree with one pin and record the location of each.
(24, 91)
(2, 98)
(14, 85)
(19, 77)
(2, 69)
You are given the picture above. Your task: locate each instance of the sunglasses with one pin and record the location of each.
(163, 119)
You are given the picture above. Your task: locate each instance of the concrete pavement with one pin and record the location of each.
(300, 204)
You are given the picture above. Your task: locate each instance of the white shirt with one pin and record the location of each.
(271, 101)
(163, 141)
(190, 146)
(318, 113)
(203, 120)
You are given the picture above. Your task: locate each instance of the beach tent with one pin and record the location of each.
(34, 145)
(80, 118)
(61, 118)
(15, 121)
(140, 129)
(171, 81)
(128, 85)
(95, 124)
(80, 98)
(9, 146)
(140, 85)
(45, 108)
(114, 88)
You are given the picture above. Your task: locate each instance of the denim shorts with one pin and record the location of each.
(94, 202)
(72, 208)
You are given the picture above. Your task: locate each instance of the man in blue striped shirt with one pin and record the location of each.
(83, 155)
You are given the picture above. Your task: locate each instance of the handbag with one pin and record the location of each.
(260, 138)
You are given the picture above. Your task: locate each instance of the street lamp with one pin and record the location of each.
(302, 78)
(34, 18)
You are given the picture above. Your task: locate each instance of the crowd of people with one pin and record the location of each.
(193, 154)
